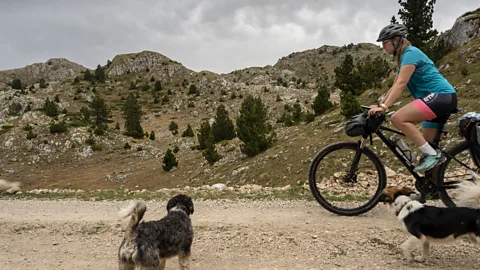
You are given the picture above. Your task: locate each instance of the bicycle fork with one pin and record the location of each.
(352, 174)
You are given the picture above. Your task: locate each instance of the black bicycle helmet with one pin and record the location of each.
(391, 31)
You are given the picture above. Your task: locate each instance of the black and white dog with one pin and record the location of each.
(430, 224)
(148, 245)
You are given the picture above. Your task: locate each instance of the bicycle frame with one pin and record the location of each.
(392, 146)
(406, 163)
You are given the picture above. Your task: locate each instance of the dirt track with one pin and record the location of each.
(228, 235)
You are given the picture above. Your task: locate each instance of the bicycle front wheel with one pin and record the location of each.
(344, 185)
(451, 172)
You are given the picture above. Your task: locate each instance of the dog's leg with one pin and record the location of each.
(408, 247)
(162, 264)
(125, 266)
(426, 250)
(184, 261)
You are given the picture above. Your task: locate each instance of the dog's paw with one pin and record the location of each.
(409, 257)
(421, 259)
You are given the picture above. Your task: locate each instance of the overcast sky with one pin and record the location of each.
(214, 35)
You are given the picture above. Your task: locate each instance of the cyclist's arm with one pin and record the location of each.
(388, 92)
(396, 90)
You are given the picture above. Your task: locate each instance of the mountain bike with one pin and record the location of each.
(344, 167)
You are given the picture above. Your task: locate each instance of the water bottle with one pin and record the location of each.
(405, 150)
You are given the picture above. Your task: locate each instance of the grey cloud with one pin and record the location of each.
(216, 35)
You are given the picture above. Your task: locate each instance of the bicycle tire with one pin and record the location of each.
(382, 181)
(440, 171)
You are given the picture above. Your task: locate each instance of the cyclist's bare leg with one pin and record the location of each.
(429, 133)
(405, 118)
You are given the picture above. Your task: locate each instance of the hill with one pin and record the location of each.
(55, 69)
(72, 160)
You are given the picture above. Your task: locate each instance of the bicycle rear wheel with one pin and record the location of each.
(335, 191)
(449, 173)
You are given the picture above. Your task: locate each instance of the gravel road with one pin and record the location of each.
(70, 234)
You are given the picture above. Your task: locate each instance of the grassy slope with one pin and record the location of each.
(285, 163)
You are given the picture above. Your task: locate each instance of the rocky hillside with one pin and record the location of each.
(55, 69)
(148, 64)
(77, 159)
(55, 152)
(320, 62)
(466, 28)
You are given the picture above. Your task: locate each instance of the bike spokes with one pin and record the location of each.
(344, 184)
(457, 171)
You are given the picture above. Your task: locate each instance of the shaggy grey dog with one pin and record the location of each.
(148, 245)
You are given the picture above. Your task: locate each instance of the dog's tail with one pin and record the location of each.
(5, 185)
(469, 195)
(136, 210)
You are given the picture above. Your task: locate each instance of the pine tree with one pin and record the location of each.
(393, 20)
(322, 103)
(286, 119)
(169, 161)
(210, 153)
(222, 128)
(192, 89)
(297, 113)
(173, 127)
(252, 127)
(417, 15)
(372, 71)
(349, 105)
(204, 135)
(158, 86)
(43, 83)
(132, 114)
(152, 136)
(16, 84)
(188, 132)
(88, 76)
(347, 77)
(101, 114)
(50, 108)
(100, 74)
(15, 109)
(86, 113)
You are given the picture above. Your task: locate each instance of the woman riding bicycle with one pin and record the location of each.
(435, 98)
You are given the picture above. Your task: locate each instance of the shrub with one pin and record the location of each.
(14, 109)
(31, 135)
(169, 161)
(188, 132)
(60, 127)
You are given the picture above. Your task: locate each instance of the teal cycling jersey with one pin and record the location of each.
(426, 78)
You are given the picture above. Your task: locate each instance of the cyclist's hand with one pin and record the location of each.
(376, 111)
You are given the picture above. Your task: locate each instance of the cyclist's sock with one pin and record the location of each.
(427, 149)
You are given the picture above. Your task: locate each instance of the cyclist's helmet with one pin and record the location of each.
(391, 31)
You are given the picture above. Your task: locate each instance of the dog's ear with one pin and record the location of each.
(183, 200)
(190, 207)
(388, 195)
(407, 191)
(385, 198)
(172, 202)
